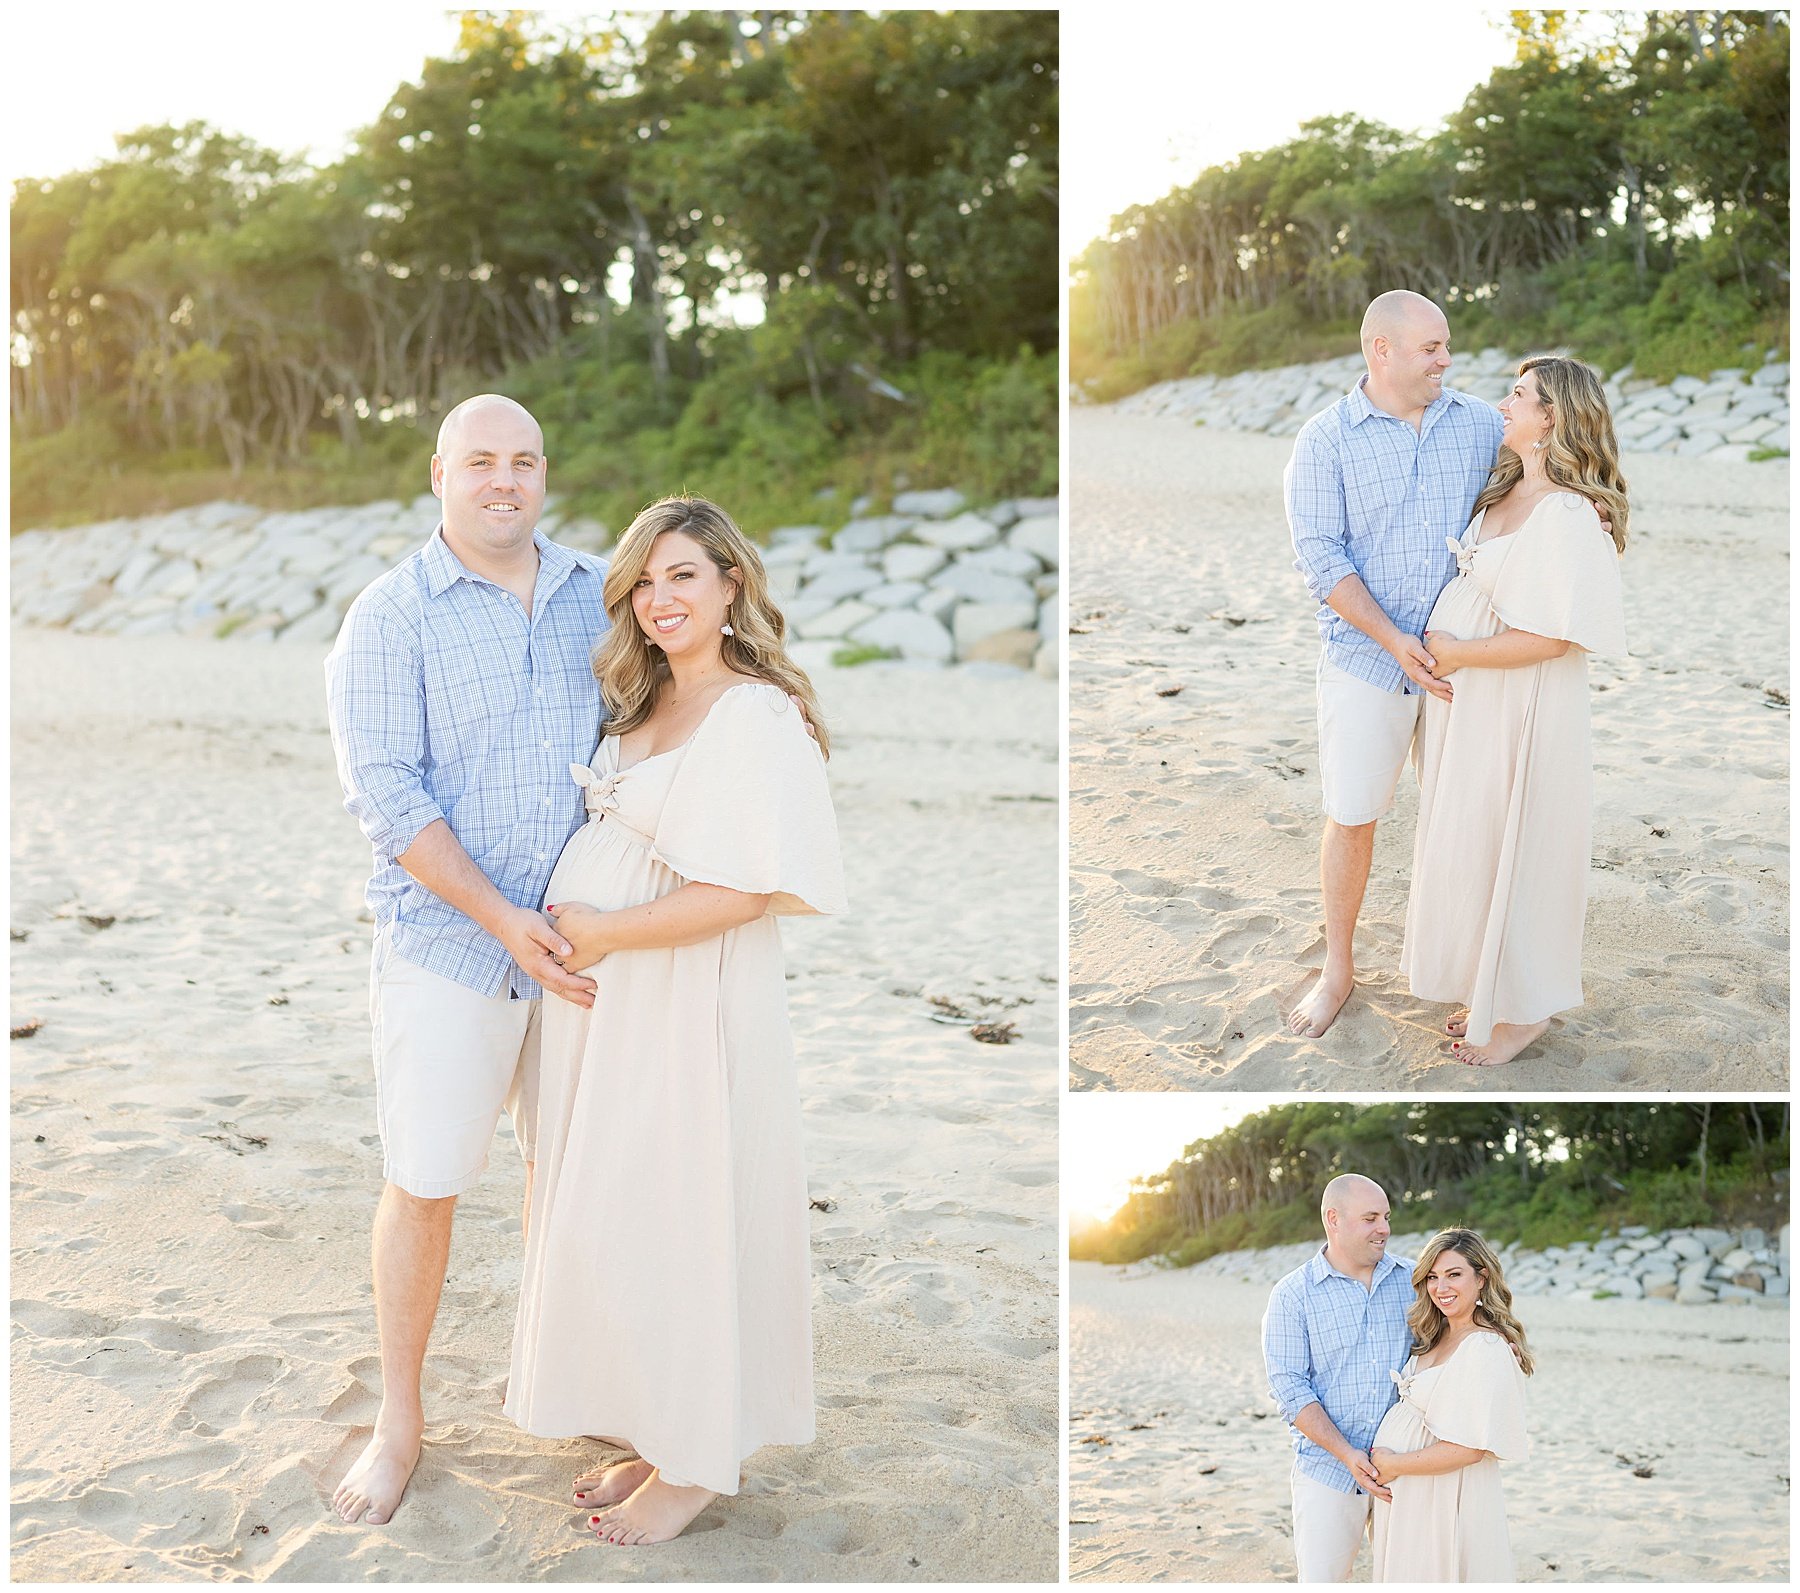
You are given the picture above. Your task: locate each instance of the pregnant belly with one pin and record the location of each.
(1402, 1430)
(602, 866)
(1463, 610)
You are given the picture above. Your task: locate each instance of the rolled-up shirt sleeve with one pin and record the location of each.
(375, 696)
(1287, 1355)
(1313, 487)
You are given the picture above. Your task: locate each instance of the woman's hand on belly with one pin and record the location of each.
(580, 925)
(1444, 648)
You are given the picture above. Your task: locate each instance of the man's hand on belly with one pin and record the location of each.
(1420, 665)
(542, 951)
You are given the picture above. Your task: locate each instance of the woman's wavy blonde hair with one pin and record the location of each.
(631, 669)
(1582, 454)
(1493, 1308)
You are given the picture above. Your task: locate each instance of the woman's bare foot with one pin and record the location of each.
(611, 1483)
(1508, 1041)
(1457, 1024)
(1317, 1010)
(657, 1512)
(371, 1489)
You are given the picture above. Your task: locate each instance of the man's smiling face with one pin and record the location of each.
(490, 476)
(1359, 1224)
(1419, 355)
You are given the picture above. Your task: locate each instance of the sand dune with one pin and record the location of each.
(1659, 1439)
(1194, 810)
(195, 1162)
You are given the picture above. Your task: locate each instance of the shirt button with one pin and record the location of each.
(540, 857)
(546, 743)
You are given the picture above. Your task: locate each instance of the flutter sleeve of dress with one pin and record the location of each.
(1561, 579)
(1479, 1402)
(750, 807)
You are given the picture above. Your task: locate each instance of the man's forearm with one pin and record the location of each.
(1350, 600)
(1312, 1422)
(436, 859)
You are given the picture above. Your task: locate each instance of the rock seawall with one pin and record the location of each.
(1729, 414)
(1687, 1266)
(934, 582)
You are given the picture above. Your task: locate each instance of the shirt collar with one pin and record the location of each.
(1319, 1269)
(443, 568)
(1360, 407)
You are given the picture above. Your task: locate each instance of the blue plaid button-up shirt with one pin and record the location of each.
(448, 701)
(1327, 1338)
(1369, 496)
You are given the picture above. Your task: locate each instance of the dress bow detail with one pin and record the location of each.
(1402, 1385)
(1465, 556)
(601, 790)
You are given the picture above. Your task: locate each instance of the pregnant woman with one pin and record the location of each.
(666, 1293)
(1506, 770)
(1461, 1412)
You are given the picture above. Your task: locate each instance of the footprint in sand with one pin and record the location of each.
(256, 1219)
(102, 1507)
(828, 1532)
(1230, 947)
(1142, 884)
(217, 1403)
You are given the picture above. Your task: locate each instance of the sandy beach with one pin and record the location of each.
(1659, 1439)
(195, 1163)
(1194, 819)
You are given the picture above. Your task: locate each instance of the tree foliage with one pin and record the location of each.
(577, 209)
(1653, 157)
(1536, 1171)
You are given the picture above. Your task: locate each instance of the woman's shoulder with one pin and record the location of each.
(756, 709)
(751, 696)
(1490, 1347)
(1568, 508)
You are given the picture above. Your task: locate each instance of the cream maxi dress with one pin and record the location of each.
(1506, 774)
(666, 1296)
(1452, 1527)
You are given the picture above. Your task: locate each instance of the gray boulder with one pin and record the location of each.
(975, 621)
(912, 561)
(909, 633)
(965, 532)
(937, 504)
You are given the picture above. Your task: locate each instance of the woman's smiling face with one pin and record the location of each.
(1526, 414)
(681, 597)
(1454, 1285)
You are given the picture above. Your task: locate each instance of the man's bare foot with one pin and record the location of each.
(371, 1489)
(1508, 1041)
(609, 1484)
(1317, 1010)
(657, 1512)
(1457, 1024)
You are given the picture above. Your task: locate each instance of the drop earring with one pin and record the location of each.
(726, 630)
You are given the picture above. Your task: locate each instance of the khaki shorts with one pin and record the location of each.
(447, 1059)
(1365, 737)
(1328, 1530)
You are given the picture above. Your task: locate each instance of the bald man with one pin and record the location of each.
(1377, 486)
(460, 691)
(1334, 1330)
